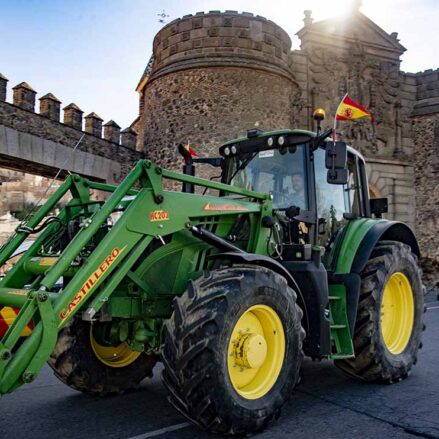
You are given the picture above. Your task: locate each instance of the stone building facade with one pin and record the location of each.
(214, 75)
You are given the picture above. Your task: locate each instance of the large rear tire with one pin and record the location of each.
(232, 349)
(81, 363)
(389, 321)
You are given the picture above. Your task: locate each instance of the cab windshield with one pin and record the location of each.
(279, 173)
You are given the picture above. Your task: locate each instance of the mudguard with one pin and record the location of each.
(383, 231)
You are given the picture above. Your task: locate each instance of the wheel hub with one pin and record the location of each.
(256, 351)
(251, 351)
(113, 356)
(397, 313)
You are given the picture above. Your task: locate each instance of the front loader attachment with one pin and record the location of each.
(80, 258)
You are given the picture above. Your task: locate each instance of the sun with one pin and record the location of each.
(332, 8)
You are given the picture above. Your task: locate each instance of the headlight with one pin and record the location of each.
(233, 149)
(227, 151)
(270, 141)
(281, 140)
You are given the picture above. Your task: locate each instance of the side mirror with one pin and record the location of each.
(335, 162)
(337, 176)
(336, 155)
(378, 206)
(216, 162)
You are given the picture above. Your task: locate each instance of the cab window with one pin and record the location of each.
(334, 200)
(281, 174)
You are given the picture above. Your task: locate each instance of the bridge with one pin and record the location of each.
(38, 143)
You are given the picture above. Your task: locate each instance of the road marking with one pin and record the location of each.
(432, 307)
(162, 431)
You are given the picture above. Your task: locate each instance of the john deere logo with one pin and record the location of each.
(159, 215)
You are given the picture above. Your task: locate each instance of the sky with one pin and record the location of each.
(93, 52)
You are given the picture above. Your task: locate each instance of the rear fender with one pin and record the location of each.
(383, 231)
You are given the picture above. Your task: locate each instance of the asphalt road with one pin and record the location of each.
(326, 404)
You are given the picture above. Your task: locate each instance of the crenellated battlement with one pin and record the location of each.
(24, 97)
(427, 92)
(218, 38)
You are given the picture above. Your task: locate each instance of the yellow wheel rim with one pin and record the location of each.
(117, 356)
(397, 313)
(256, 352)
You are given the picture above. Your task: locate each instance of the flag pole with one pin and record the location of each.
(334, 129)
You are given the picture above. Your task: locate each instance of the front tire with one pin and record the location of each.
(232, 349)
(389, 321)
(82, 364)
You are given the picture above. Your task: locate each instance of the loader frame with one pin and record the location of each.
(150, 213)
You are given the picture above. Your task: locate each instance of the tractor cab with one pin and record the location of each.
(316, 185)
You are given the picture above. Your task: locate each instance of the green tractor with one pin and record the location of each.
(230, 289)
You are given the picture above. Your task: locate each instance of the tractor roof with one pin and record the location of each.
(257, 140)
(255, 133)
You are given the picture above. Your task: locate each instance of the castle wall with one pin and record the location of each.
(426, 129)
(25, 121)
(426, 139)
(34, 146)
(214, 76)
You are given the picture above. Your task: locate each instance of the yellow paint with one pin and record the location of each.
(159, 215)
(90, 283)
(319, 114)
(48, 261)
(397, 313)
(225, 207)
(256, 352)
(18, 292)
(8, 315)
(117, 356)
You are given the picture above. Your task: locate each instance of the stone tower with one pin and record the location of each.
(213, 76)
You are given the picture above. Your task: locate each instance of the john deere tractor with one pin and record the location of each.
(230, 284)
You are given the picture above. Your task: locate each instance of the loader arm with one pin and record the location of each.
(95, 260)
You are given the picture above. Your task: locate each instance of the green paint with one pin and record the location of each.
(340, 333)
(128, 268)
(356, 231)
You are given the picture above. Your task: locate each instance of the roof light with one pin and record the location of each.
(319, 114)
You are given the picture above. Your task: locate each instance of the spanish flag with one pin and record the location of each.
(190, 150)
(349, 110)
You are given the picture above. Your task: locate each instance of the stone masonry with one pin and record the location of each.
(209, 79)
(214, 75)
(426, 134)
